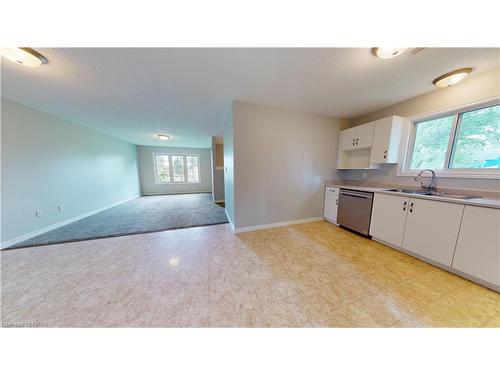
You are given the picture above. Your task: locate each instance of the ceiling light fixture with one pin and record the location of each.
(388, 52)
(163, 137)
(452, 78)
(24, 56)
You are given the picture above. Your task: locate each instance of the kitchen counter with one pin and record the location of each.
(489, 202)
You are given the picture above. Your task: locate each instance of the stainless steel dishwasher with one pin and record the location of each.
(355, 210)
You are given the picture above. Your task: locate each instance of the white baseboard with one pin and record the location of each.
(35, 233)
(175, 193)
(278, 224)
(331, 221)
(220, 201)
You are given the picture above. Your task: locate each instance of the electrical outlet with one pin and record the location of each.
(364, 175)
(38, 213)
(60, 207)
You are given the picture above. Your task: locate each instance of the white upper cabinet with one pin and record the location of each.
(432, 229)
(389, 218)
(364, 136)
(369, 145)
(357, 137)
(348, 139)
(478, 246)
(386, 140)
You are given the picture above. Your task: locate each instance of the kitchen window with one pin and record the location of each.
(174, 168)
(463, 143)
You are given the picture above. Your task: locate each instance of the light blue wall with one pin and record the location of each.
(47, 161)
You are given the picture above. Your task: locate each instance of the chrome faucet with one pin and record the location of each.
(432, 186)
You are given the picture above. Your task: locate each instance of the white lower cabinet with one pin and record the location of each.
(459, 237)
(478, 246)
(432, 229)
(389, 218)
(331, 203)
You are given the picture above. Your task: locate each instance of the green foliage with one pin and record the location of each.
(431, 143)
(477, 142)
(478, 138)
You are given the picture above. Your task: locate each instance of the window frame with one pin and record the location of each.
(172, 182)
(404, 167)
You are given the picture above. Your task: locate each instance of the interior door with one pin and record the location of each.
(432, 229)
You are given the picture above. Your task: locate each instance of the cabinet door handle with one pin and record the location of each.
(404, 206)
(337, 202)
(411, 207)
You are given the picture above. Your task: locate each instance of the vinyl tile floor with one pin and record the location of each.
(307, 275)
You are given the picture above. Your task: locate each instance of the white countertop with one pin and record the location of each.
(482, 202)
(359, 188)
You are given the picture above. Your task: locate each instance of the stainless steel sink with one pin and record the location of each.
(454, 196)
(435, 194)
(408, 191)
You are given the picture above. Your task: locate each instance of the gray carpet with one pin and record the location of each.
(141, 215)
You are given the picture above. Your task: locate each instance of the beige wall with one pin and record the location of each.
(281, 161)
(229, 166)
(147, 171)
(474, 89)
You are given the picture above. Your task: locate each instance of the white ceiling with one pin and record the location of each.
(136, 93)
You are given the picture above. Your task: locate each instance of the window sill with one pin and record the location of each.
(178, 183)
(446, 174)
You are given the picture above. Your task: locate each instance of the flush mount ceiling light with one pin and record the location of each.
(388, 52)
(163, 137)
(24, 56)
(452, 78)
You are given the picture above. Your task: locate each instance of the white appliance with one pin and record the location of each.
(331, 204)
